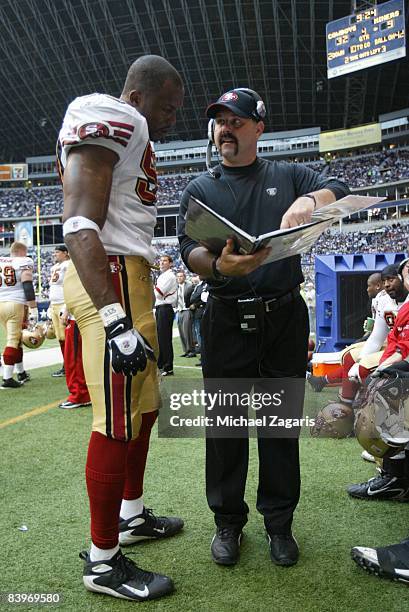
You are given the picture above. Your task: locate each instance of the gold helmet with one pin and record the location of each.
(381, 425)
(335, 420)
(49, 331)
(33, 338)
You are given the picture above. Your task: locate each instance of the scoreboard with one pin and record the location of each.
(371, 37)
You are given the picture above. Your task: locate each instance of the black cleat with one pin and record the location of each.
(10, 383)
(59, 373)
(120, 577)
(317, 382)
(386, 562)
(384, 486)
(283, 549)
(167, 373)
(225, 546)
(23, 377)
(147, 526)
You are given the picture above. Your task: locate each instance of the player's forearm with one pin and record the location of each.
(395, 358)
(91, 262)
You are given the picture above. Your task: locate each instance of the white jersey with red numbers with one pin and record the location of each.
(101, 120)
(58, 271)
(387, 309)
(11, 287)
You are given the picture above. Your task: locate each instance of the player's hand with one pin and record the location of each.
(353, 373)
(32, 318)
(129, 350)
(232, 264)
(299, 213)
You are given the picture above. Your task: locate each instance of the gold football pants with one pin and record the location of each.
(118, 401)
(11, 318)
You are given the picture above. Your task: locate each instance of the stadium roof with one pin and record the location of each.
(54, 51)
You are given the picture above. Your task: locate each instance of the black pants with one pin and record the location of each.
(164, 322)
(278, 350)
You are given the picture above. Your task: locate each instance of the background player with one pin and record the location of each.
(57, 307)
(109, 217)
(16, 290)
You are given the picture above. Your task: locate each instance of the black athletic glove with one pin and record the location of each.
(129, 350)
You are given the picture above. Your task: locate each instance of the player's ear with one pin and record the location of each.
(135, 97)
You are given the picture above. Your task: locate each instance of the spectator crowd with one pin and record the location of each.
(359, 171)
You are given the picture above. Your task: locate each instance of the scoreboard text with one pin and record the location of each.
(373, 36)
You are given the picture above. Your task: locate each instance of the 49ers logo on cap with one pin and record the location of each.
(229, 96)
(93, 130)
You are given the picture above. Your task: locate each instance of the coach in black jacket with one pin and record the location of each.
(258, 196)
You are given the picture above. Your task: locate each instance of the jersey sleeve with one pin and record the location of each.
(23, 263)
(98, 120)
(378, 335)
(166, 285)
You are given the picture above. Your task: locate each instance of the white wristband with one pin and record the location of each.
(75, 224)
(111, 313)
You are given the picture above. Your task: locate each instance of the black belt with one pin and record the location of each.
(270, 305)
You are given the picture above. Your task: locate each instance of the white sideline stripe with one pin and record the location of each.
(40, 358)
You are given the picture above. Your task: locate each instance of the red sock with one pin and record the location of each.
(137, 455)
(349, 387)
(105, 476)
(364, 373)
(335, 376)
(62, 346)
(11, 355)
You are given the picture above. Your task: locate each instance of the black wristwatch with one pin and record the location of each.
(312, 196)
(216, 274)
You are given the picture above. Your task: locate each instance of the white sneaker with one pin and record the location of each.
(367, 456)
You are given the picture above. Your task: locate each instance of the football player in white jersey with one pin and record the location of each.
(16, 291)
(57, 276)
(359, 362)
(110, 184)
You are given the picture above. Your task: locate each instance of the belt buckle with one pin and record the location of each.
(268, 302)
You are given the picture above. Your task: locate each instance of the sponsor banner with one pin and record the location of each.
(13, 172)
(23, 232)
(350, 138)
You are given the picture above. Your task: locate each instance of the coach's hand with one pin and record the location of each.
(129, 350)
(231, 264)
(299, 213)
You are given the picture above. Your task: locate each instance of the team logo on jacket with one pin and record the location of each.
(93, 130)
(271, 191)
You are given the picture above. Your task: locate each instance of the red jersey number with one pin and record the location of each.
(8, 276)
(146, 188)
(390, 319)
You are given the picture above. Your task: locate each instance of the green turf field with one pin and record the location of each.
(42, 484)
